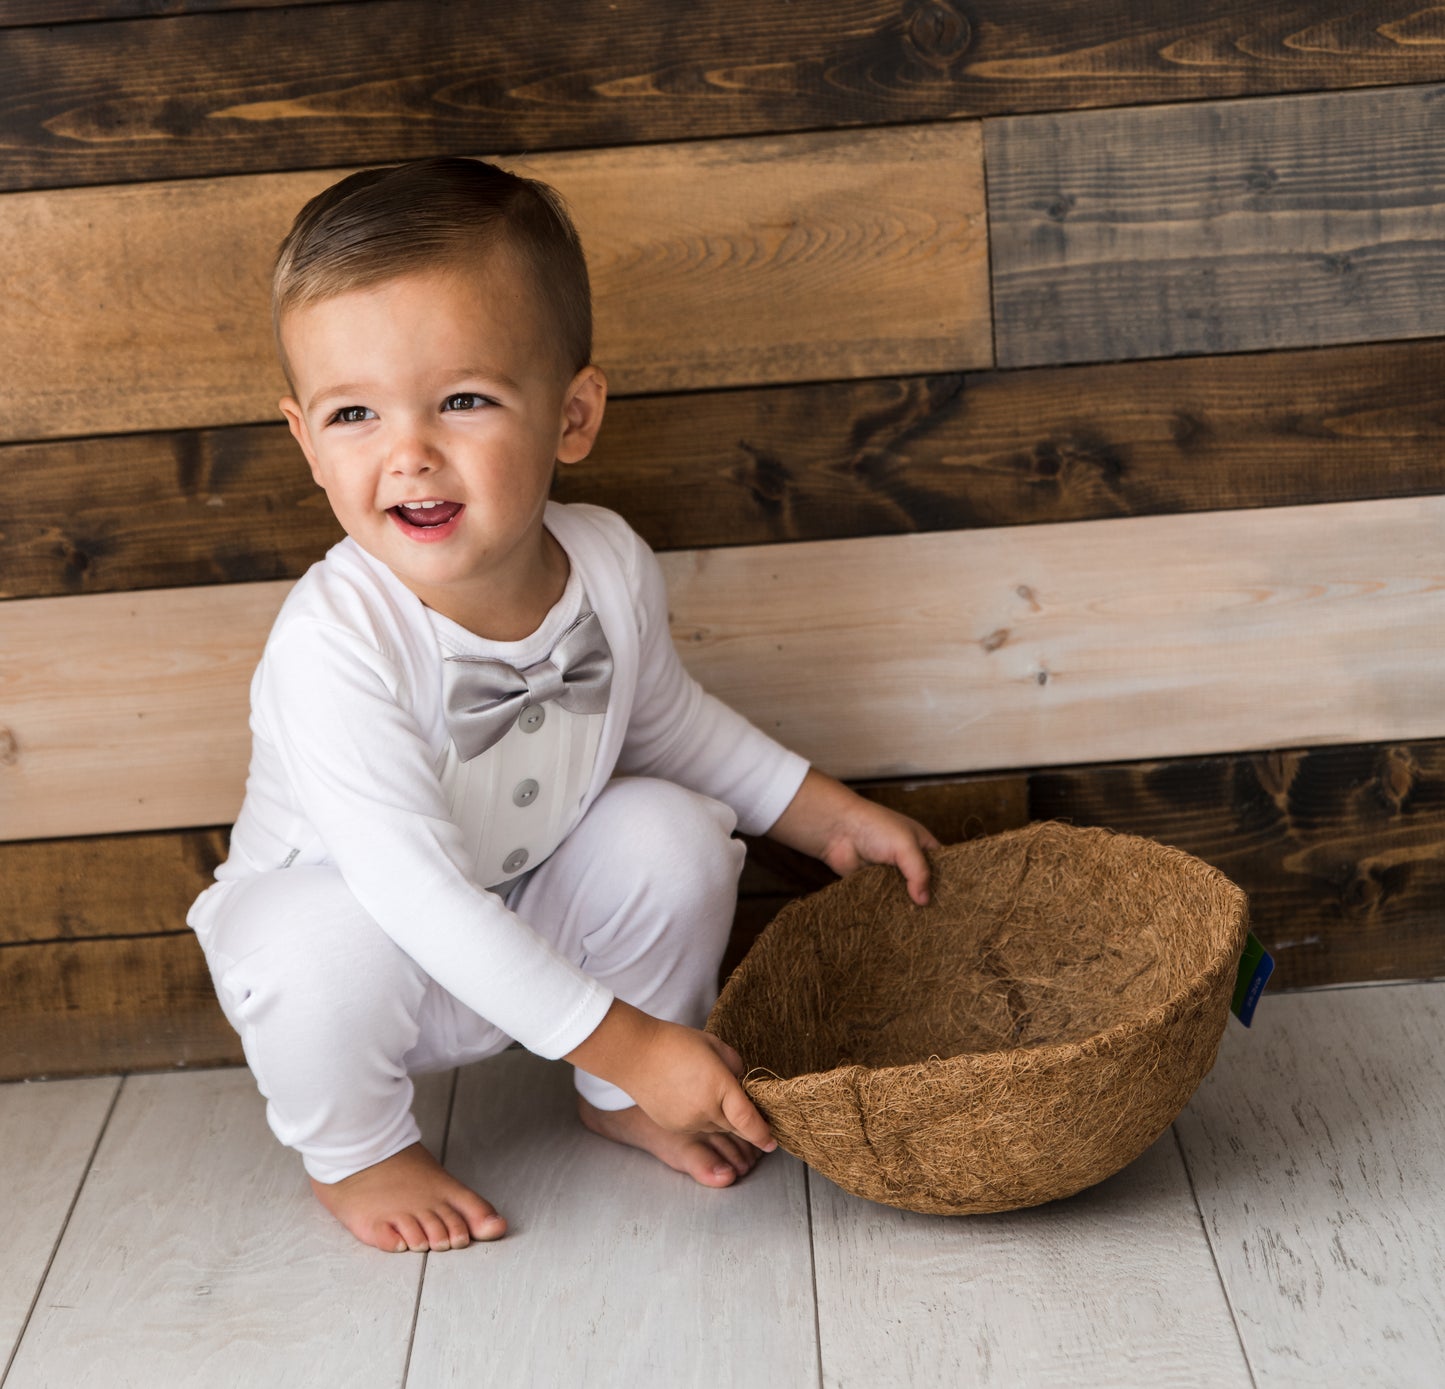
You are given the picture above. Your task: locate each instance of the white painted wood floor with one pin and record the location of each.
(1290, 1230)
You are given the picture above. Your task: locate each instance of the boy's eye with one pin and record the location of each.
(465, 400)
(351, 414)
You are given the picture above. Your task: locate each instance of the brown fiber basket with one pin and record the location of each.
(1028, 1034)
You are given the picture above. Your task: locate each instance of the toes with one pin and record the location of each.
(410, 1229)
(704, 1164)
(387, 1238)
(740, 1156)
(481, 1218)
(438, 1237)
(458, 1236)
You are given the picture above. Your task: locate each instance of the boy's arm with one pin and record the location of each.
(681, 732)
(837, 825)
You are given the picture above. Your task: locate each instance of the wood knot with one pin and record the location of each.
(995, 639)
(935, 32)
(1396, 777)
(9, 748)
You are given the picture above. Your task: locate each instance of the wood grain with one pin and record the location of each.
(650, 1278)
(783, 463)
(1112, 1289)
(1087, 641)
(197, 1255)
(104, 886)
(47, 1136)
(1317, 1151)
(1341, 850)
(17, 13)
(358, 83)
(1006, 648)
(72, 1008)
(1218, 227)
(147, 306)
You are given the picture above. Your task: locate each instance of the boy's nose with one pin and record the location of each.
(411, 453)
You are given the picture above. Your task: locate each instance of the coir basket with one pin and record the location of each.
(1029, 1033)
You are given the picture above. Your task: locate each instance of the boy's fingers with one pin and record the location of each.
(745, 1121)
(730, 1058)
(915, 870)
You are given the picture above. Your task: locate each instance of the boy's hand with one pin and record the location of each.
(684, 1080)
(837, 825)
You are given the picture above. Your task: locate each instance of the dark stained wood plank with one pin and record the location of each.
(335, 84)
(798, 258)
(80, 1007)
(1220, 227)
(786, 463)
(157, 511)
(347, 84)
(1341, 850)
(18, 13)
(104, 885)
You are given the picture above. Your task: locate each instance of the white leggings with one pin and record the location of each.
(335, 1018)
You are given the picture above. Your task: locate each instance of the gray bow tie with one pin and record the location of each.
(483, 697)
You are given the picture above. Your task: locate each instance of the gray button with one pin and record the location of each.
(531, 718)
(514, 861)
(525, 793)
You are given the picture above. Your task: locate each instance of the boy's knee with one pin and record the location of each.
(317, 958)
(677, 839)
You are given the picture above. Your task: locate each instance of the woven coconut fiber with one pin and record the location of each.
(1030, 1032)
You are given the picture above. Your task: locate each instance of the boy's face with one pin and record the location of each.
(432, 409)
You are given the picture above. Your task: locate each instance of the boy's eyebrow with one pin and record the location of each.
(346, 388)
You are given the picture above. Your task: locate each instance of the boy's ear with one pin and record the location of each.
(582, 410)
(291, 408)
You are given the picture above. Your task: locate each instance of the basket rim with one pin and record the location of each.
(1157, 1015)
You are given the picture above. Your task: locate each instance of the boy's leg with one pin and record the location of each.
(330, 1013)
(642, 895)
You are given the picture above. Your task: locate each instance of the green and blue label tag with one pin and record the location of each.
(1255, 967)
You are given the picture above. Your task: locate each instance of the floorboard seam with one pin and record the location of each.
(60, 1234)
(813, 1269)
(1214, 1258)
(425, 1258)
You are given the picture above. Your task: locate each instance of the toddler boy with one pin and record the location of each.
(485, 800)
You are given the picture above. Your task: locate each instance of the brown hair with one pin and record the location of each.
(380, 223)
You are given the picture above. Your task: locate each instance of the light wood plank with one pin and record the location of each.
(1091, 641)
(1217, 227)
(1317, 1149)
(1094, 641)
(48, 1132)
(1114, 1288)
(616, 1270)
(197, 1256)
(770, 259)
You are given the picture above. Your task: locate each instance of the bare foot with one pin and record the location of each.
(409, 1201)
(714, 1159)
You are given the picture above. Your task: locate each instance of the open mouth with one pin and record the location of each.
(426, 515)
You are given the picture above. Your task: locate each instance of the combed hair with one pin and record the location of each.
(380, 223)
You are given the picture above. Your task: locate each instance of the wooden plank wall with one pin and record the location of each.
(864, 268)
